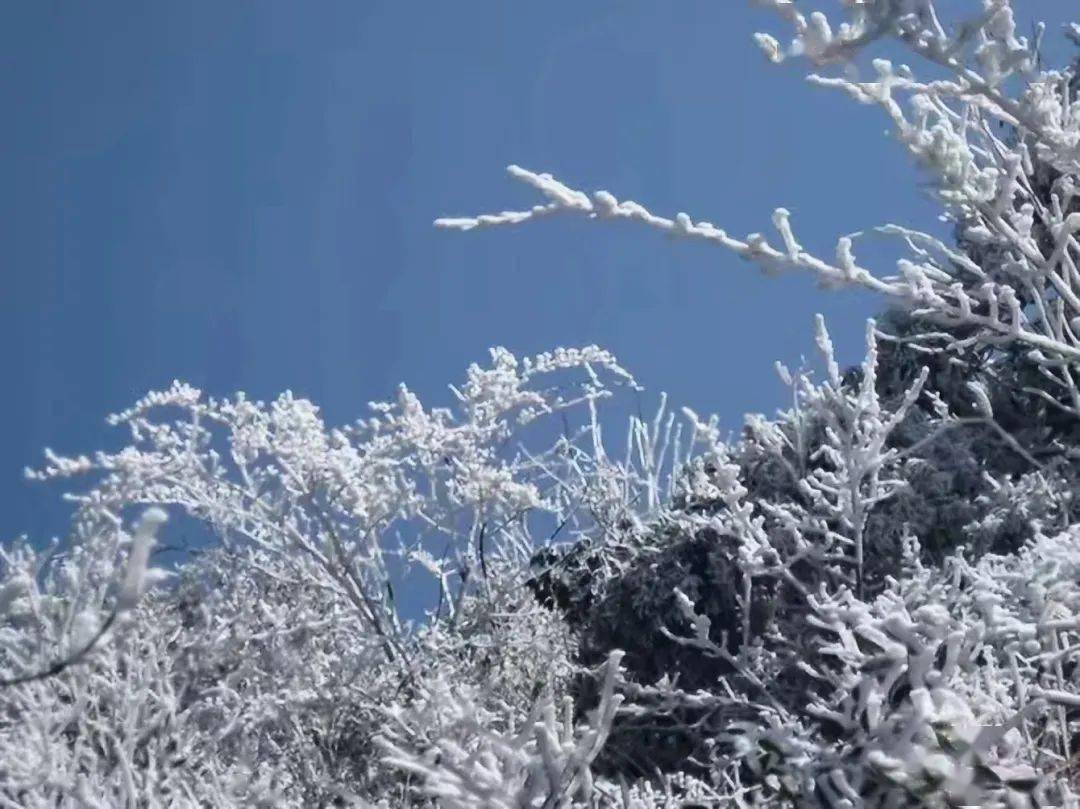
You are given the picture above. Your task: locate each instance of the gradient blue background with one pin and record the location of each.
(240, 195)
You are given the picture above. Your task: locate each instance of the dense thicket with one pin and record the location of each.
(871, 599)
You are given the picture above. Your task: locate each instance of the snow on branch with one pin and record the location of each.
(1001, 161)
(924, 287)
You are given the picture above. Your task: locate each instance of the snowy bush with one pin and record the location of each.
(871, 599)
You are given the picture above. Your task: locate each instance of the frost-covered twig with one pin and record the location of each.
(131, 590)
(923, 288)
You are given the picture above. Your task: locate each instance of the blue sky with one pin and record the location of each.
(240, 195)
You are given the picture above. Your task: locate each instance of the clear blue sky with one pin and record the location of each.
(240, 195)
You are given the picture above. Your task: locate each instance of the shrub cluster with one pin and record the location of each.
(869, 601)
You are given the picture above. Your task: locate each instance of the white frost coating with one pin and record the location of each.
(981, 399)
(142, 543)
(770, 46)
(869, 600)
(923, 287)
(952, 129)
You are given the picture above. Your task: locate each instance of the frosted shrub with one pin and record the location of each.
(282, 650)
(867, 601)
(546, 762)
(965, 436)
